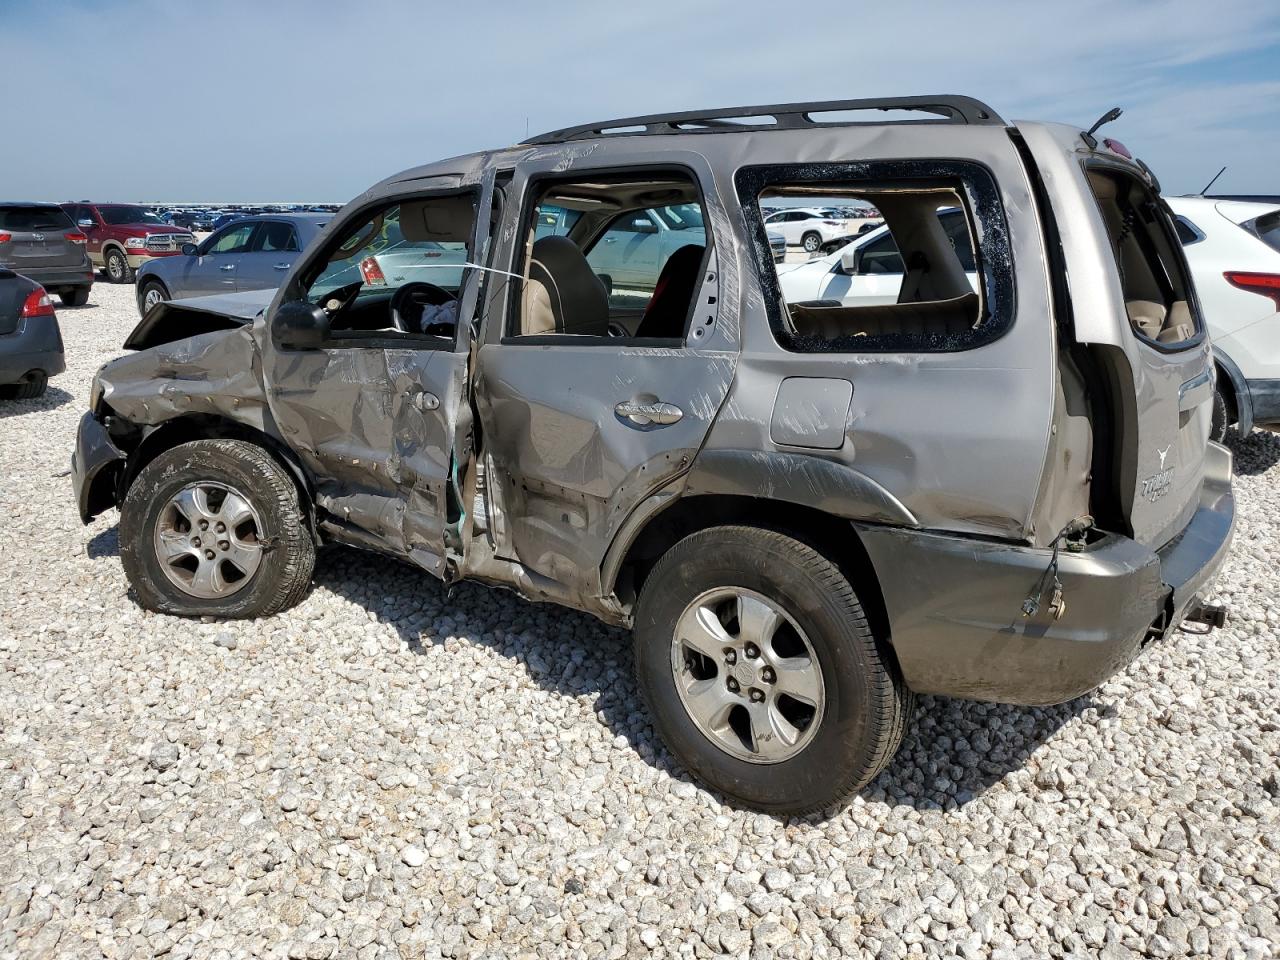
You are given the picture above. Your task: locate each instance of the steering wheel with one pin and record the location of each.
(420, 294)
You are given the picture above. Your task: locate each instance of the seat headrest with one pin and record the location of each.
(563, 294)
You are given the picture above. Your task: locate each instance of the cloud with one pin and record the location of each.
(316, 100)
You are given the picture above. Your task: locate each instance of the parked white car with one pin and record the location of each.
(869, 270)
(809, 227)
(1233, 249)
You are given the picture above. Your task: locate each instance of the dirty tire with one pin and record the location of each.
(27, 390)
(811, 242)
(117, 267)
(867, 703)
(75, 297)
(1222, 416)
(284, 574)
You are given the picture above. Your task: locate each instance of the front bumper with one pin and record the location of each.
(954, 603)
(35, 345)
(1264, 395)
(137, 258)
(96, 467)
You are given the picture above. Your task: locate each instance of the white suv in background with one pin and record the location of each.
(1233, 248)
(808, 227)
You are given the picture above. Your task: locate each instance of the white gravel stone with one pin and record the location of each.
(391, 769)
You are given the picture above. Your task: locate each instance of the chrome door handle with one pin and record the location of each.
(644, 414)
(229, 266)
(283, 266)
(425, 401)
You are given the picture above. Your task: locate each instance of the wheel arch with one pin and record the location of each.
(1238, 390)
(675, 518)
(185, 429)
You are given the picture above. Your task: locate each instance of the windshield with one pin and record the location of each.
(22, 219)
(122, 214)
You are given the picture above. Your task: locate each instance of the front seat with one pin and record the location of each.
(668, 308)
(562, 294)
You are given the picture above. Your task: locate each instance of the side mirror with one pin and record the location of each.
(646, 226)
(299, 325)
(849, 260)
(190, 249)
(86, 222)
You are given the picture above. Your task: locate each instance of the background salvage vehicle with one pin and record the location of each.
(124, 236)
(30, 342)
(251, 253)
(1233, 248)
(994, 483)
(40, 242)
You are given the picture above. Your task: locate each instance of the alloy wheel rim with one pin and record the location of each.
(113, 266)
(208, 540)
(747, 675)
(152, 298)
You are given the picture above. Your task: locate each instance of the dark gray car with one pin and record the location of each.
(808, 510)
(30, 341)
(252, 253)
(39, 241)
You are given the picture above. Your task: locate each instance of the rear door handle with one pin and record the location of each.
(229, 266)
(283, 266)
(644, 414)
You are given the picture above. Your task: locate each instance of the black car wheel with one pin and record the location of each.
(34, 386)
(74, 297)
(1223, 416)
(118, 267)
(761, 672)
(152, 292)
(215, 528)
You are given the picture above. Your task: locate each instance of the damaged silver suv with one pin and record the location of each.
(990, 479)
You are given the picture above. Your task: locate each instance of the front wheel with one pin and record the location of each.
(215, 528)
(761, 672)
(153, 292)
(811, 242)
(118, 270)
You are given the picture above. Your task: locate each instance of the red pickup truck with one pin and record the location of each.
(124, 236)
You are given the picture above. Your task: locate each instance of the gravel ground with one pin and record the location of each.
(392, 771)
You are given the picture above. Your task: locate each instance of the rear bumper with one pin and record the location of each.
(953, 603)
(35, 345)
(60, 278)
(96, 463)
(1264, 396)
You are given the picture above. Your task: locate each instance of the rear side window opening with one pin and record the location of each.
(936, 277)
(1153, 277)
(1267, 229)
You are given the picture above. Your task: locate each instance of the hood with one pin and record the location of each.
(172, 320)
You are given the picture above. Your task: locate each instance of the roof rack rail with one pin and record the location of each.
(778, 116)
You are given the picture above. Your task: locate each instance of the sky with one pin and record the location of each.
(228, 100)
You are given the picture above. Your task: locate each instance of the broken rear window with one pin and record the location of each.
(936, 276)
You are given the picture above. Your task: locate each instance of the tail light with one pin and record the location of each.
(77, 237)
(1263, 284)
(5, 237)
(37, 304)
(372, 273)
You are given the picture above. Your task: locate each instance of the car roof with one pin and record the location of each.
(1237, 211)
(27, 203)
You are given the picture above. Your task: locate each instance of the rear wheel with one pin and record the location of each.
(1222, 416)
(153, 292)
(811, 241)
(117, 267)
(215, 528)
(74, 297)
(34, 386)
(761, 672)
